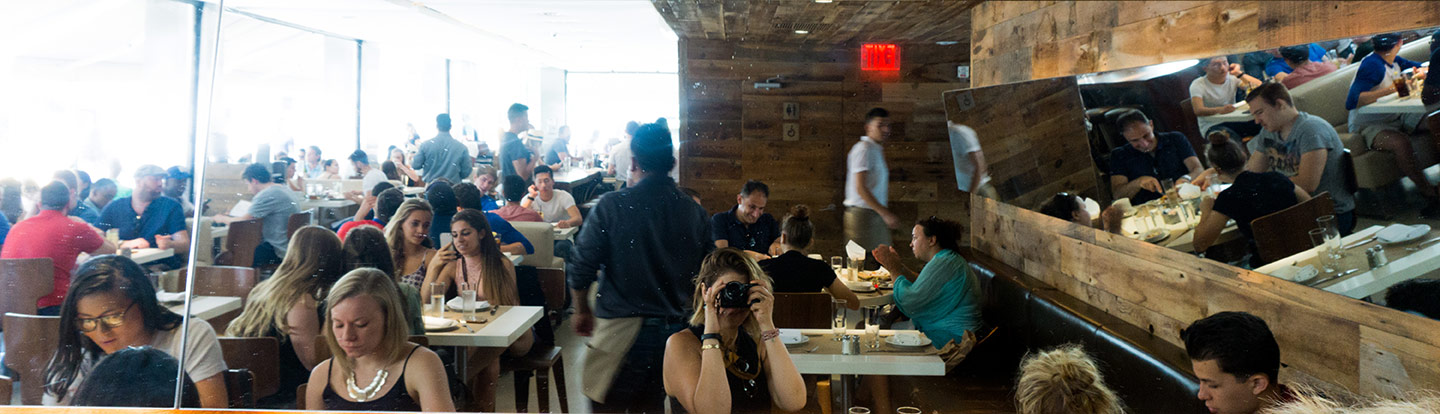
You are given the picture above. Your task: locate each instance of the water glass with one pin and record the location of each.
(437, 300)
(872, 326)
(1332, 235)
(837, 315)
(467, 299)
(907, 410)
(837, 262)
(1322, 250)
(859, 410)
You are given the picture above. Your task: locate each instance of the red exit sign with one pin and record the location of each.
(879, 56)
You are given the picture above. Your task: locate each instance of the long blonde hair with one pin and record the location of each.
(1063, 380)
(498, 285)
(368, 281)
(1308, 401)
(395, 232)
(312, 264)
(716, 264)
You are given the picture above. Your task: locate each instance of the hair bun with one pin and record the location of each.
(800, 212)
(1218, 137)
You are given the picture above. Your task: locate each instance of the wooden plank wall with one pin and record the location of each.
(731, 132)
(1020, 40)
(1033, 136)
(1339, 341)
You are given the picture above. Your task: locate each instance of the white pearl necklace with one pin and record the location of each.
(367, 393)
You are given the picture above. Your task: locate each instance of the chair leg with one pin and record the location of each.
(542, 389)
(522, 391)
(822, 394)
(559, 370)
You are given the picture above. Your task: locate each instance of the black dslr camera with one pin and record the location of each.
(736, 295)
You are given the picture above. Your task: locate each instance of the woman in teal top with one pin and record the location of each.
(943, 298)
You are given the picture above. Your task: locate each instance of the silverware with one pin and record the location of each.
(466, 325)
(1360, 243)
(1416, 248)
(1342, 274)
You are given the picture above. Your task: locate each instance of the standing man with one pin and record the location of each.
(515, 158)
(620, 156)
(747, 226)
(868, 219)
(643, 245)
(971, 173)
(146, 219)
(443, 156)
(313, 167)
(50, 234)
(273, 205)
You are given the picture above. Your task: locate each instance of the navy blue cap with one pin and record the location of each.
(1385, 41)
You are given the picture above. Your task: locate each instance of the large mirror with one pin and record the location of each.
(1314, 163)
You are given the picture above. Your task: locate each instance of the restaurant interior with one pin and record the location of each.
(1104, 198)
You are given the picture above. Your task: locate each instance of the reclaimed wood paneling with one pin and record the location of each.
(1341, 342)
(840, 22)
(1018, 41)
(732, 132)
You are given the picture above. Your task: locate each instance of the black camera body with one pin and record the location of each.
(736, 295)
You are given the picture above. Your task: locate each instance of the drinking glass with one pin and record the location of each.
(837, 317)
(1332, 235)
(837, 262)
(1317, 238)
(907, 410)
(859, 410)
(872, 326)
(437, 300)
(467, 299)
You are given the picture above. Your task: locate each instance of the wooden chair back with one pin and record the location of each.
(300, 396)
(260, 356)
(802, 310)
(1347, 169)
(232, 281)
(241, 243)
(7, 386)
(240, 386)
(29, 344)
(23, 282)
(552, 282)
(1286, 232)
(297, 221)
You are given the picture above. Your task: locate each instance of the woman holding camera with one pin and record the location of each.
(731, 359)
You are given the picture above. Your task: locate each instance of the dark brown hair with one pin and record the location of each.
(1224, 154)
(797, 227)
(1270, 93)
(946, 232)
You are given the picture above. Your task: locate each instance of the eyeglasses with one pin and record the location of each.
(110, 321)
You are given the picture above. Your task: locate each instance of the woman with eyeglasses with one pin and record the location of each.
(111, 306)
(731, 359)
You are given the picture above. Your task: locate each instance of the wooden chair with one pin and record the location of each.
(552, 282)
(29, 343)
(23, 282)
(300, 397)
(259, 356)
(7, 386)
(241, 243)
(1286, 232)
(240, 386)
(543, 361)
(1347, 169)
(297, 221)
(802, 310)
(231, 281)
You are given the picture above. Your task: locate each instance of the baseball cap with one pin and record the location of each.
(1385, 41)
(1296, 53)
(175, 173)
(149, 170)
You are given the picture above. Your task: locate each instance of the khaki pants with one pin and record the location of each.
(866, 228)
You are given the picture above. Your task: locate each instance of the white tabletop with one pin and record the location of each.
(327, 203)
(502, 331)
(1370, 281)
(1393, 104)
(143, 256)
(220, 232)
(515, 260)
(207, 307)
(1241, 114)
(865, 364)
(410, 191)
(565, 233)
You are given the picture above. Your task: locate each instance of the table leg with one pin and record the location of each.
(842, 393)
(462, 358)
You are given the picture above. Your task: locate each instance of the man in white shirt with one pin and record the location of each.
(868, 219)
(1214, 94)
(555, 206)
(971, 174)
(620, 157)
(369, 176)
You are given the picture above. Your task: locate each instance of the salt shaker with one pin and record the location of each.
(1376, 256)
(849, 345)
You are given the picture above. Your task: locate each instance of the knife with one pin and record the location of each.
(1361, 243)
(1342, 274)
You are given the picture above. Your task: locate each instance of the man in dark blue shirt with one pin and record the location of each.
(515, 158)
(648, 240)
(747, 226)
(1136, 169)
(148, 220)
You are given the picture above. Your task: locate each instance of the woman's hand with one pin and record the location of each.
(711, 299)
(887, 257)
(446, 255)
(762, 304)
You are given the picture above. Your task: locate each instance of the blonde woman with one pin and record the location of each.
(731, 359)
(408, 234)
(374, 367)
(287, 306)
(1063, 381)
(479, 263)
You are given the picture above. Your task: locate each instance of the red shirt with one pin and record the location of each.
(345, 228)
(513, 212)
(1307, 72)
(52, 234)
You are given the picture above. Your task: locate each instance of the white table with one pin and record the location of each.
(504, 329)
(412, 191)
(1371, 281)
(143, 256)
(1241, 114)
(207, 307)
(327, 203)
(847, 367)
(565, 233)
(1394, 104)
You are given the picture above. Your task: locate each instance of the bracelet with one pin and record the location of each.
(709, 346)
(714, 336)
(770, 334)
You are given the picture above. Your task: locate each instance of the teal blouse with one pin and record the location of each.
(944, 301)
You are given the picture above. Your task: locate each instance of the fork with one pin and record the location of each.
(1416, 248)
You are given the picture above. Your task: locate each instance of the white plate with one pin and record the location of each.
(1400, 233)
(793, 338)
(1156, 235)
(860, 287)
(439, 324)
(1296, 274)
(457, 304)
(905, 340)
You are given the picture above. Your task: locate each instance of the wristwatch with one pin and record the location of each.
(714, 336)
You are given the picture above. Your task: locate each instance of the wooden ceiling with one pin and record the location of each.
(840, 22)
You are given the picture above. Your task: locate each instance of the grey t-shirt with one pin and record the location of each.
(273, 206)
(443, 157)
(1309, 133)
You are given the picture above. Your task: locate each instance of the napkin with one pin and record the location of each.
(907, 338)
(1189, 191)
(790, 336)
(1092, 207)
(854, 250)
(170, 297)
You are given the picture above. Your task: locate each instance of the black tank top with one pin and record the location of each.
(746, 396)
(396, 400)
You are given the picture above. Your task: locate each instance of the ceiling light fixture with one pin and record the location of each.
(802, 32)
(947, 43)
(824, 1)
